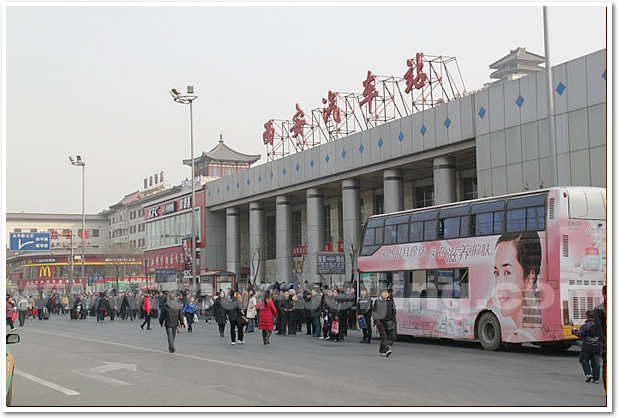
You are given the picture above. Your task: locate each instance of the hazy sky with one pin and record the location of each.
(94, 80)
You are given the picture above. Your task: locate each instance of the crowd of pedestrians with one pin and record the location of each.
(324, 313)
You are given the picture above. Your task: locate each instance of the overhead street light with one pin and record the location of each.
(81, 163)
(188, 99)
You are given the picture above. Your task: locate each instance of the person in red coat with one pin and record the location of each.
(147, 307)
(267, 314)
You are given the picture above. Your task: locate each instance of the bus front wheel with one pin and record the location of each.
(489, 332)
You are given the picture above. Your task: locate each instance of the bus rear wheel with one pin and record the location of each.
(489, 332)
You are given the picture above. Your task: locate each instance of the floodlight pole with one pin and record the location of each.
(188, 99)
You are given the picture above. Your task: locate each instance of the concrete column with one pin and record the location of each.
(213, 254)
(232, 236)
(351, 224)
(257, 242)
(284, 239)
(393, 190)
(444, 180)
(315, 231)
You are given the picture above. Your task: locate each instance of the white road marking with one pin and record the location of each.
(96, 373)
(93, 374)
(177, 354)
(50, 385)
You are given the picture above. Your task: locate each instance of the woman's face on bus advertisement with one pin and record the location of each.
(509, 280)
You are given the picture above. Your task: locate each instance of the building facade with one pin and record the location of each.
(489, 143)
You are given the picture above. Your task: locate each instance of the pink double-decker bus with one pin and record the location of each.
(521, 268)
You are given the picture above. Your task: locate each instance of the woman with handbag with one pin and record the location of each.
(267, 314)
(251, 311)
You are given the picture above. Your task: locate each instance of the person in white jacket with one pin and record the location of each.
(251, 311)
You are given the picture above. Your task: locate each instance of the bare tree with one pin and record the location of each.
(118, 256)
(256, 263)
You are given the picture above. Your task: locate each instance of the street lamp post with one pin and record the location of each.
(188, 99)
(81, 163)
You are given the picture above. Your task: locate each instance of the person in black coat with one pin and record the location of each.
(219, 312)
(103, 307)
(232, 307)
(600, 324)
(591, 347)
(383, 316)
(125, 310)
(170, 317)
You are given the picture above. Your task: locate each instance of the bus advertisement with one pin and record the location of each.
(522, 268)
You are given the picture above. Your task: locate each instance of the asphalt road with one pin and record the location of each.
(84, 363)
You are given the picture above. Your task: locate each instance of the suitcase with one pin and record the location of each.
(46, 315)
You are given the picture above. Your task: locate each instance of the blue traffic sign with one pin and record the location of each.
(30, 241)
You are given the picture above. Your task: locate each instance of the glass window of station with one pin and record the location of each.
(167, 231)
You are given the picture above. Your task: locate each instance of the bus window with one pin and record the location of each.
(484, 223)
(449, 228)
(461, 281)
(419, 281)
(390, 234)
(416, 231)
(369, 238)
(516, 220)
(464, 227)
(535, 218)
(379, 233)
(429, 230)
(445, 283)
(498, 222)
(402, 233)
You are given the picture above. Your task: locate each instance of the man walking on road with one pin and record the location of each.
(384, 315)
(22, 309)
(600, 324)
(170, 316)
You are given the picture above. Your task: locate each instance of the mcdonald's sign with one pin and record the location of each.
(46, 271)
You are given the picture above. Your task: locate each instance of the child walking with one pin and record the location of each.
(591, 349)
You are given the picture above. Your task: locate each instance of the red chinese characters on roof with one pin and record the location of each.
(299, 122)
(269, 133)
(370, 92)
(332, 108)
(417, 81)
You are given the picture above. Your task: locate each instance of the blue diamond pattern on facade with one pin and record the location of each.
(327, 159)
(423, 130)
(297, 167)
(260, 179)
(561, 88)
(237, 185)
(311, 163)
(227, 189)
(208, 193)
(271, 175)
(519, 101)
(361, 148)
(482, 112)
(218, 191)
(343, 154)
(447, 123)
(604, 75)
(248, 182)
(400, 137)
(380, 143)
(285, 171)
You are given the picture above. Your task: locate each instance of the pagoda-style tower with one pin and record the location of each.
(221, 161)
(518, 63)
